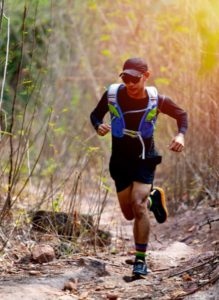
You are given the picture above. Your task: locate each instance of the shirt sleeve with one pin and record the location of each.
(168, 107)
(99, 112)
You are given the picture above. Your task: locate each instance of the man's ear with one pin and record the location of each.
(147, 74)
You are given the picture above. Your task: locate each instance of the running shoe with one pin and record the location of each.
(139, 268)
(158, 206)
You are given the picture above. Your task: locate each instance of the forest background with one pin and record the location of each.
(56, 60)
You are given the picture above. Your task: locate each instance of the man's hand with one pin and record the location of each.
(177, 143)
(103, 129)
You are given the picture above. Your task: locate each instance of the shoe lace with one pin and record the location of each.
(139, 264)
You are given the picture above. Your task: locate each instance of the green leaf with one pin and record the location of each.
(60, 130)
(105, 37)
(107, 187)
(75, 99)
(52, 124)
(163, 69)
(5, 132)
(162, 80)
(93, 149)
(27, 82)
(106, 52)
(182, 29)
(92, 4)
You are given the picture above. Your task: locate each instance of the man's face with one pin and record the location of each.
(135, 85)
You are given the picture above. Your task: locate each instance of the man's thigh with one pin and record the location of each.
(122, 174)
(125, 202)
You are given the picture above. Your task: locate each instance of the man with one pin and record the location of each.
(134, 108)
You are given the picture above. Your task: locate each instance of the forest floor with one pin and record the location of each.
(182, 259)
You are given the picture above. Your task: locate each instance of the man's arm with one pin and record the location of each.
(167, 106)
(98, 114)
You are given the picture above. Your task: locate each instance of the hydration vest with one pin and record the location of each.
(148, 120)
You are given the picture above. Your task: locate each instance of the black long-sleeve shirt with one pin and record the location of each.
(128, 147)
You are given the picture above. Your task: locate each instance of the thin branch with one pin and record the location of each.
(194, 267)
(35, 163)
(1, 13)
(11, 170)
(6, 58)
(8, 238)
(208, 222)
(4, 210)
(212, 280)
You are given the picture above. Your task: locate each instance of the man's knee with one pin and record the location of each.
(139, 196)
(139, 208)
(138, 201)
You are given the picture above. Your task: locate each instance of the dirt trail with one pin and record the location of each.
(175, 247)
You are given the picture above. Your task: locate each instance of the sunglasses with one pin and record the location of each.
(128, 78)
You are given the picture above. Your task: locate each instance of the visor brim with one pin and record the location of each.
(131, 72)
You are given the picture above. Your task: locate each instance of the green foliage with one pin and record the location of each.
(50, 167)
(36, 25)
(56, 203)
(106, 52)
(104, 184)
(209, 35)
(162, 81)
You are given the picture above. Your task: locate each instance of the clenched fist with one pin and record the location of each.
(103, 129)
(178, 142)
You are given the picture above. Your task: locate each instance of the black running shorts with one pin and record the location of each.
(128, 171)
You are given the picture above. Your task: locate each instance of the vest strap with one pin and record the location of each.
(136, 134)
(134, 111)
(112, 92)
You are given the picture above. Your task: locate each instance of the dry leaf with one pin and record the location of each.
(70, 286)
(186, 277)
(195, 241)
(192, 228)
(177, 293)
(34, 272)
(215, 242)
(109, 286)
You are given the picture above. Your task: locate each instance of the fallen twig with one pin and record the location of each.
(156, 238)
(212, 280)
(208, 222)
(194, 267)
(183, 240)
(160, 270)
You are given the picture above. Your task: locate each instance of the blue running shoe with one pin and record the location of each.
(139, 268)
